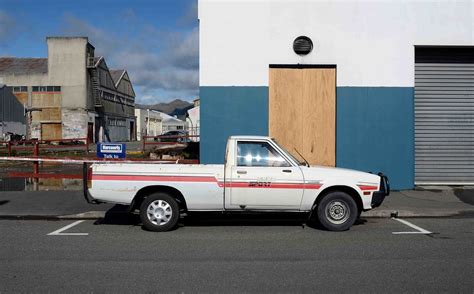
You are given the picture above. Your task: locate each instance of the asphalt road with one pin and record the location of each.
(237, 256)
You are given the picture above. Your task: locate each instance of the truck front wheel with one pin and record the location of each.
(337, 211)
(159, 212)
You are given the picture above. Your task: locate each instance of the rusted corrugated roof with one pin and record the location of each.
(13, 65)
(116, 74)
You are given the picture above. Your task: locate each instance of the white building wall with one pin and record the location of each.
(155, 124)
(193, 122)
(67, 68)
(172, 124)
(372, 42)
(74, 123)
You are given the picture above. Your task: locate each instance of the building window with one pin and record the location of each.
(120, 122)
(20, 89)
(115, 122)
(53, 89)
(46, 88)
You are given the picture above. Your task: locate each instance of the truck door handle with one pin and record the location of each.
(242, 172)
(287, 170)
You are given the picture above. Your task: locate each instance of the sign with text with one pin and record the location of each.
(111, 150)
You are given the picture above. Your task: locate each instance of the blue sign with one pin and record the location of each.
(111, 150)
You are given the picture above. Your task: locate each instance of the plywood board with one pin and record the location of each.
(50, 131)
(22, 97)
(319, 116)
(302, 112)
(285, 103)
(45, 100)
(47, 114)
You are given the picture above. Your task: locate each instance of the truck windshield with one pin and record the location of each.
(289, 154)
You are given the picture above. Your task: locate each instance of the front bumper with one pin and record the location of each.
(384, 191)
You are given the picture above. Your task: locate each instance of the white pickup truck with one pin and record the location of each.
(258, 176)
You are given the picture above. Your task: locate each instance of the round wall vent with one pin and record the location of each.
(302, 45)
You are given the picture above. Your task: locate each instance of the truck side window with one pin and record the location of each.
(259, 154)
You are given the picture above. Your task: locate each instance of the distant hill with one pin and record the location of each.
(176, 107)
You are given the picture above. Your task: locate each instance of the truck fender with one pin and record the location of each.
(145, 191)
(347, 189)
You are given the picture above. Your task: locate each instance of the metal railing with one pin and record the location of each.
(11, 147)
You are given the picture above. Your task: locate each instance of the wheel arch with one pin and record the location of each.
(145, 191)
(340, 188)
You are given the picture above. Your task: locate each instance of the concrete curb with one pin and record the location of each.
(88, 215)
(385, 213)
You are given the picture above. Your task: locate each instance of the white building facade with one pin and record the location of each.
(387, 86)
(170, 123)
(193, 121)
(149, 123)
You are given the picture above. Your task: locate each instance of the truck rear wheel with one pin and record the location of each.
(159, 212)
(337, 211)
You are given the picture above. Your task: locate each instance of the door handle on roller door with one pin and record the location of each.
(242, 172)
(286, 170)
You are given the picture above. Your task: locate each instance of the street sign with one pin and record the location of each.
(111, 150)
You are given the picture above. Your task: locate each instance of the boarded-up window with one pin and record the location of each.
(51, 131)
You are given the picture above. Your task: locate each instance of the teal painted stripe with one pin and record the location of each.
(227, 111)
(374, 126)
(375, 132)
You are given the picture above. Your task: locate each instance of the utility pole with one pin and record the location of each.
(3, 111)
(29, 118)
(148, 122)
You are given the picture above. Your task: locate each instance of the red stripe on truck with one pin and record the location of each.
(191, 179)
(269, 185)
(194, 179)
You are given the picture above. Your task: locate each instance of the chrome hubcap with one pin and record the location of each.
(159, 212)
(337, 212)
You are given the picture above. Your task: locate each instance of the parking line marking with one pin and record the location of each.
(419, 230)
(58, 232)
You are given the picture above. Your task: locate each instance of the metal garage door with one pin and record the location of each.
(444, 115)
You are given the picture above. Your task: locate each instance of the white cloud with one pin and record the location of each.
(102, 40)
(165, 62)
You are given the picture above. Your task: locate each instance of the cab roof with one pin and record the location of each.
(249, 137)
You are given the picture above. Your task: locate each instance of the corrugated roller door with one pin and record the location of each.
(444, 116)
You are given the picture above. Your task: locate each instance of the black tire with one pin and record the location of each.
(159, 212)
(337, 211)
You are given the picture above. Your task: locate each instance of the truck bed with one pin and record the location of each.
(121, 182)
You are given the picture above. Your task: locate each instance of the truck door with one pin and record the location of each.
(262, 178)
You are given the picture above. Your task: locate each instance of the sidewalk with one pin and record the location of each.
(426, 202)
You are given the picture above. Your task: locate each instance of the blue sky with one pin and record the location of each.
(157, 42)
